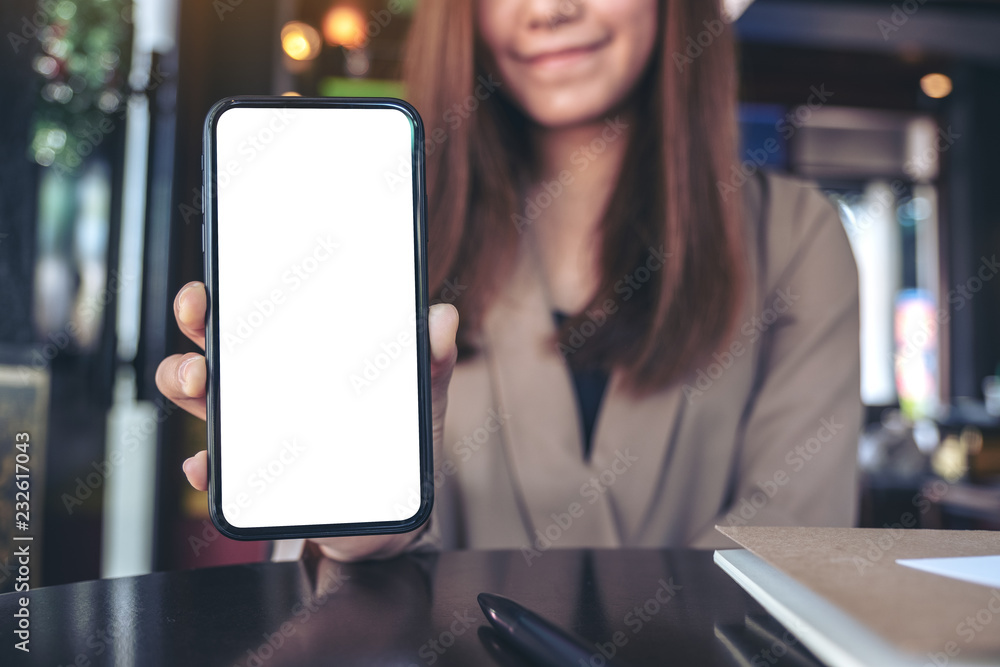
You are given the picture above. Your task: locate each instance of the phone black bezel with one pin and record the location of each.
(209, 230)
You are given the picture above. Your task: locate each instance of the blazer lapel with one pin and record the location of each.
(544, 448)
(633, 439)
(632, 436)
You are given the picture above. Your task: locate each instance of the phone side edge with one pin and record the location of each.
(423, 307)
(210, 262)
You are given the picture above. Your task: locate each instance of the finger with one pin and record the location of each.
(181, 378)
(362, 547)
(196, 470)
(189, 311)
(442, 327)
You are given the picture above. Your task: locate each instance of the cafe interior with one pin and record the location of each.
(889, 107)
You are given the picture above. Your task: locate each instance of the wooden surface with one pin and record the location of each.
(856, 569)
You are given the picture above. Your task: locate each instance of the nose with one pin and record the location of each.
(549, 14)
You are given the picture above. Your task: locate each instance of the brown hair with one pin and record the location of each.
(682, 143)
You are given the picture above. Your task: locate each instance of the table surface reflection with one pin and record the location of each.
(646, 607)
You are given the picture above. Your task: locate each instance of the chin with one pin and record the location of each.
(568, 110)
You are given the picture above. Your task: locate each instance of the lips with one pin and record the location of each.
(561, 54)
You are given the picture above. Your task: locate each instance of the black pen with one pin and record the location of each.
(541, 641)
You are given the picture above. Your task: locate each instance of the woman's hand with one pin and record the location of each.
(182, 379)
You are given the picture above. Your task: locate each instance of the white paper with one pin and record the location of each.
(983, 570)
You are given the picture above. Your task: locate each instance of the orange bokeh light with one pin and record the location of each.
(344, 26)
(936, 85)
(300, 40)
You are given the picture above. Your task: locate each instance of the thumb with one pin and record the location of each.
(442, 326)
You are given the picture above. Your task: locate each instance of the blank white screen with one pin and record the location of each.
(317, 332)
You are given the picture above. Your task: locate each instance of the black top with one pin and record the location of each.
(589, 385)
(656, 608)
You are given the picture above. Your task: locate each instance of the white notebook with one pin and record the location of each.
(886, 614)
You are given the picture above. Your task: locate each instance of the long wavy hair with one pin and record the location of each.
(682, 143)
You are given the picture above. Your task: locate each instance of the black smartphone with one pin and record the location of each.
(319, 414)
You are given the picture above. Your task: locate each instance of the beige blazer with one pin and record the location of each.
(766, 434)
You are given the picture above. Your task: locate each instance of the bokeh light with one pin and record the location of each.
(358, 62)
(344, 26)
(300, 41)
(936, 85)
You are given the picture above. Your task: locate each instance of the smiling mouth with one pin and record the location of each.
(562, 56)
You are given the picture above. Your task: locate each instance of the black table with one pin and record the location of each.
(647, 607)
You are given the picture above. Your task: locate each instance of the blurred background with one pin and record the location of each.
(892, 107)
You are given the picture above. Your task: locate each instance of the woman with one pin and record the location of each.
(649, 345)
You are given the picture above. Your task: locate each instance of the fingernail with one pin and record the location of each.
(183, 370)
(434, 314)
(186, 465)
(180, 295)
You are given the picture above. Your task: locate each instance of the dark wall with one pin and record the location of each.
(18, 175)
(973, 232)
